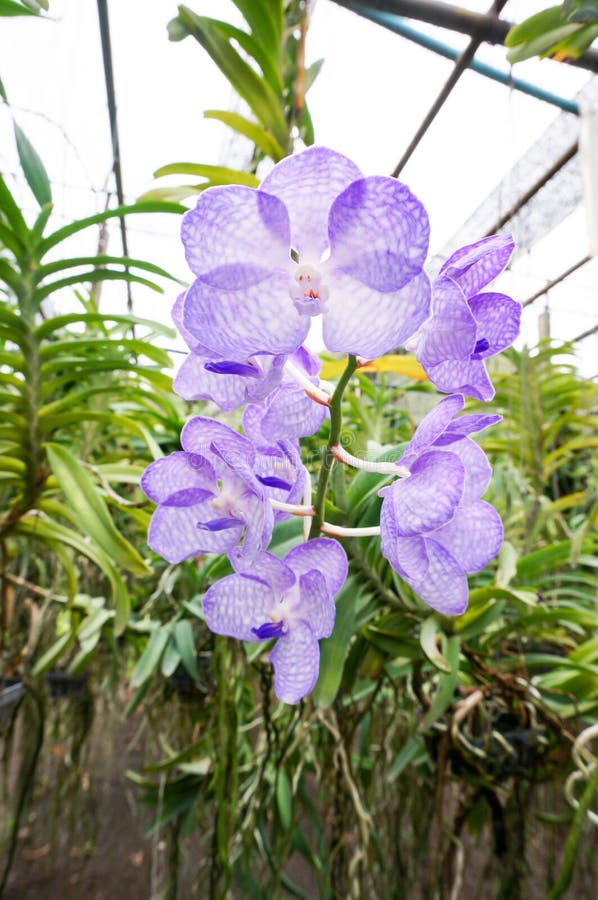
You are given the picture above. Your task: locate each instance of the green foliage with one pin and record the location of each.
(264, 63)
(563, 32)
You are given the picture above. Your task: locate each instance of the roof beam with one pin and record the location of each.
(489, 29)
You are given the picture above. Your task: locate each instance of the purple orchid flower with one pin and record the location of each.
(317, 238)
(206, 375)
(287, 412)
(211, 495)
(291, 600)
(466, 326)
(435, 529)
(281, 473)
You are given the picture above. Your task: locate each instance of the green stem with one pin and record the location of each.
(336, 420)
(573, 838)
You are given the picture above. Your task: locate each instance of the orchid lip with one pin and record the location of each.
(480, 347)
(230, 367)
(273, 482)
(219, 524)
(269, 630)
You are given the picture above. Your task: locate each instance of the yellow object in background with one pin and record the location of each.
(400, 365)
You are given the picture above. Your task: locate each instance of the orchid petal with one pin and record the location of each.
(379, 233)
(296, 661)
(179, 471)
(233, 225)
(473, 536)
(464, 376)
(235, 605)
(498, 320)
(323, 555)
(316, 606)
(307, 184)
(432, 427)
(478, 470)
(173, 532)
(444, 586)
(201, 434)
(451, 332)
(246, 319)
(365, 322)
(429, 497)
(476, 265)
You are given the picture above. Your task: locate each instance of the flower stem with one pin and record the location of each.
(336, 418)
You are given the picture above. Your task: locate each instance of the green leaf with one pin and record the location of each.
(91, 511)
(333, 650)
(266, 22)
(150, 658)
(256, 92)
(446, 685)
(170, 659)
(216, 174)
(542, 44)
(101, 260)
(256, 134)
(74, 227)
(284, 798)
(46, 661)
(429, 636)
(12, 213)
(12, 8)
(185, 644)
(409, 751)
(33, 168)
(535, 26)
(585, 14)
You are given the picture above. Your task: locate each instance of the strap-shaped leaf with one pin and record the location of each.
(10, 210)
(216, 174)
(256, 134)
(91, 277)
(50, 532)
(58, 322)
(101, 260)
(266, 22)
(74, 227)
(92, 514)
(185, 644)
(150, 658)
(33, 168)
(256, 91)
(14, 8)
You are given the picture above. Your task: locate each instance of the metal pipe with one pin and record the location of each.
(461, 64)
(557, 280)
(398, 26)
(455, 18)
(111, 97)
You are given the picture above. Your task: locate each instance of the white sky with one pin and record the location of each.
(373, 91)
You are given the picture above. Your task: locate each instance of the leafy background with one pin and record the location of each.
(432, 748)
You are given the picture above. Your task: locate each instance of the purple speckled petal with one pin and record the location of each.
(173, 532)
(465, 425)
(193, 381)
(431, 427)
(411, 557)
(281, 463)
(258, 516)
(177, 318)
(235, 605)
(323, 555)
(307, 184)
(473, 536)
(464, 376)
(296, 661)
(290, 413)
(233, 225)
(379, 233)
(451, 331)
(309, 362)
(476, 265)
(316, 606)
(444, 586)
(498, 320)
(177, 472)
(478, 470)
(201, 435)
(368, 323)
(274, 572)
(428, 498)
(254, 318)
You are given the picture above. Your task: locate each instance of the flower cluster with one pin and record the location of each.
(318, 239)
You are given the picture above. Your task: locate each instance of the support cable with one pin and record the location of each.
(111, 96)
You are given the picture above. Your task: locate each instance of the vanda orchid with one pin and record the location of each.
(318, 239)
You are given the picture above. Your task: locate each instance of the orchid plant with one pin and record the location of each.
(319, 240)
